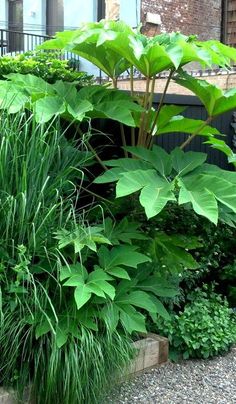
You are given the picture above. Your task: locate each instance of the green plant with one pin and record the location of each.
(50, 66)
(71, 292)
(114, 47)
(161, 178)
(204, 328)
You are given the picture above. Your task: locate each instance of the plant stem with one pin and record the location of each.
(124, 144)
(92, 149)
(160, 105)
(190, 138)
(144, 114)
(122, 131)
(96, 195)
(132, 94)
(132, 81)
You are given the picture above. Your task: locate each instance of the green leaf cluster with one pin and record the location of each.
(50, 66)
(178, 176)
(114, 46)
(204, 328)
(62, 98)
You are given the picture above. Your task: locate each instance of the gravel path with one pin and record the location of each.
(189, 382)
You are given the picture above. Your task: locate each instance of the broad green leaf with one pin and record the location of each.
(184, 163)
(99, 275)
(120, 255)
(109, 176)
(31, 85)
(118, 272)
(186, 125)
(154, 198)
(96, 289)
(203, 202)
(221, 145)
(82, 295)
(159, 308)
(168, 252)
(61, 337)
(226, 103)
(206, 92)
(128, 164)
(131, 319)
(75, 280)
(139, 299)
(48, 107)
(123, 231)
(167, 112)
(133, 181)
(158, 287)
(12, 100)
(42, 328)
(157, 157)
(72, 270)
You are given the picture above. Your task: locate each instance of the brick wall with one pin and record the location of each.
(112, 9)
(201, 17)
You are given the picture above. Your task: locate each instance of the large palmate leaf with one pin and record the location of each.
(172, 252)
(114, 47)
(122, 232)
(215, 100)
(91, 41)
(61, 98)
(221, 145)
(81, 237)
(201, 185)
(120, 256)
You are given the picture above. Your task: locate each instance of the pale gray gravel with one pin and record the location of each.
(189, 382)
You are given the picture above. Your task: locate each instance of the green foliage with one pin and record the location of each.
(205, 327)
(43, 335)
(162, 178)
(227, 276)
(49, 100)
(88, 363)
(110, 45)
(50, 66)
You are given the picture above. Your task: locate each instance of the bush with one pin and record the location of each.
(48, 65)
(206, 326)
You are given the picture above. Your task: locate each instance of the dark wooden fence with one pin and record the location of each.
(196, 110)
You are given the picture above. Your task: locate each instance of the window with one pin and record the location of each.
(101, 10)
(15, 24)
(54, 16)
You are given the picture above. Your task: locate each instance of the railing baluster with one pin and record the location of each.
(12, 42)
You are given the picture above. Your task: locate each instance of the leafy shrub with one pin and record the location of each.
(227, 276)
(50, 66)
(206, 326)
(72, 294)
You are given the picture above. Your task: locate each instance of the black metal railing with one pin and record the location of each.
(15, 42)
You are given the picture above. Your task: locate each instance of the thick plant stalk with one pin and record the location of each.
(144, 114)
(159, 107)
(122, 131)
(132, 94)
(190, 138)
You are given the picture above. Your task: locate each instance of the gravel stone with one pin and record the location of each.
(210, 381)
